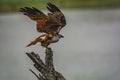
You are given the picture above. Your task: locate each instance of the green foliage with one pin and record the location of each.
(14, 5)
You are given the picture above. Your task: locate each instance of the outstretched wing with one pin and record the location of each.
(56, 17)
(51, 23)
(35, 15)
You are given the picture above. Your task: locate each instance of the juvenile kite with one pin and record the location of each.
(51, 23)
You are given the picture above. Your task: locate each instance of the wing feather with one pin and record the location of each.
(56, 15)
(51, 23)
(52, 8)
(35, 15)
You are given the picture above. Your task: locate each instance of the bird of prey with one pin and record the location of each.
(51, 23)
(46, 39)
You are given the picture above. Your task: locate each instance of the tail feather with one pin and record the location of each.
(38, 39)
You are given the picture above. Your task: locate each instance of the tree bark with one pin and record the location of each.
(47, 70)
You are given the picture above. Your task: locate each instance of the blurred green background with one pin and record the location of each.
(14, 5)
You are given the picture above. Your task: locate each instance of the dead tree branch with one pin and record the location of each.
(47, 70)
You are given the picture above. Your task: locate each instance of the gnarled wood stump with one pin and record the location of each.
(47, 70)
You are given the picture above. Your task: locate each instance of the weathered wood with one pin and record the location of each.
(47, 70)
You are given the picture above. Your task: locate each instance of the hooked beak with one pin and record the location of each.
(61, 36)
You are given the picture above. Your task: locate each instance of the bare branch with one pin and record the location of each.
(47, 71)
(49, 59)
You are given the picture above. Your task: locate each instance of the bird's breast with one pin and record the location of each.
(55, 39)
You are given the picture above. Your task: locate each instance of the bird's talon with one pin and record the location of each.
(48, 50)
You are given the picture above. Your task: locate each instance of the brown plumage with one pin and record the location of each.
(51, 23)
(45, 40)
